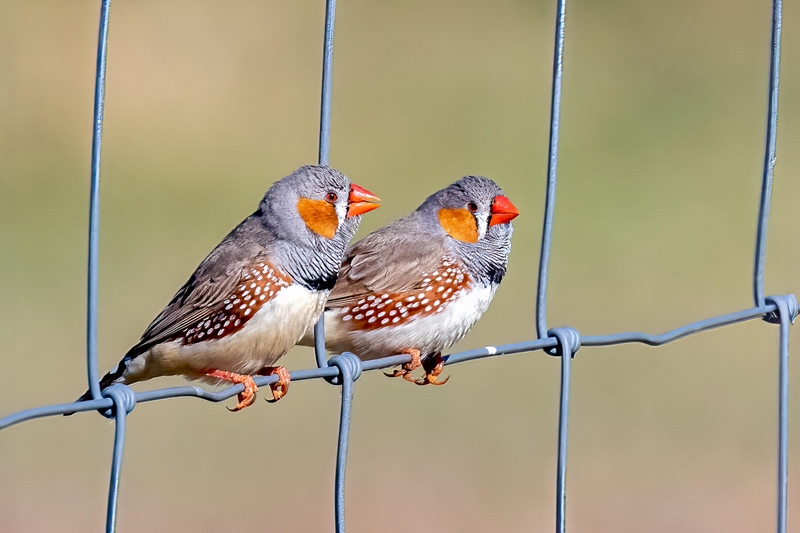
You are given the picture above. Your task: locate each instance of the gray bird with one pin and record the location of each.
(257, 292)
(418, 285)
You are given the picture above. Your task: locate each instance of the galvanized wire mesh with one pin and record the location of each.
(343, 370)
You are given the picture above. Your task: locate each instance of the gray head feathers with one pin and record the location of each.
(308, 257)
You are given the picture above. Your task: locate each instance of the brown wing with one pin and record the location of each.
(392, 259)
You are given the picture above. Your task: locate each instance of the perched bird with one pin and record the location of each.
(258, 291)
(418, 285)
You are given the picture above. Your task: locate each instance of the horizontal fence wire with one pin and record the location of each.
(117, 401)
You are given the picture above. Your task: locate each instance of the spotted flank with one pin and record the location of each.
(437, 289)
(258, 285)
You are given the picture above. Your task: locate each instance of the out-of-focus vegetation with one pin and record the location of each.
(208, 103)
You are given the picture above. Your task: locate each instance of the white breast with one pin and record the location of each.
(429, 334)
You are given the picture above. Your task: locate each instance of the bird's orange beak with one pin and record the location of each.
(361, 201)
(503, 210)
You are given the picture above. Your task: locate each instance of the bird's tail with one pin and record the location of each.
(105, 381)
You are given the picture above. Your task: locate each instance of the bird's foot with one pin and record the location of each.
(433, 367)
(248, 396)
(280, 388)
(405, 371)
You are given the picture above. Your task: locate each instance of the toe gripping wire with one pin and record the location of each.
(349, 371)
(569, 342)
(124, 401)
(785, 314)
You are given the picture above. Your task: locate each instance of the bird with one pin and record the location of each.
(419, 284)
(254, 296)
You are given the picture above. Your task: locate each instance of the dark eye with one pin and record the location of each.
(331, 197)
(473, 207)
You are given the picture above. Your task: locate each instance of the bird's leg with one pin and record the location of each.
(248, 396)
(281, 387)
(405, 371)
(433, 366)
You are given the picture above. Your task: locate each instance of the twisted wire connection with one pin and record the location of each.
(118, 401)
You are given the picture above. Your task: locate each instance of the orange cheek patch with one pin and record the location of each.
(459, 224)
(319, 216)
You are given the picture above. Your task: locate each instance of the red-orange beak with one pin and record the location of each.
(361, 201)
(503, 210)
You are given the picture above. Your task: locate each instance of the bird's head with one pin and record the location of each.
(471, 209)
(317, 203)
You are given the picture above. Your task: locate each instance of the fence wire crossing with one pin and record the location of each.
(118, 401)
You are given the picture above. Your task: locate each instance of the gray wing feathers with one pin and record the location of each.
(395, 258)
(214, 280)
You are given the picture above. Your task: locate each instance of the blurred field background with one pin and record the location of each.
(209, 103)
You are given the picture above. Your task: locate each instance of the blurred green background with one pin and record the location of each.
(210, 102)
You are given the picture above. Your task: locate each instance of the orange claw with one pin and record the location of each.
(433, 367)
(248, 396)
(405, 371)
(280, 388)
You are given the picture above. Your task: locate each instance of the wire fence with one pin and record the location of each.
(118, 401)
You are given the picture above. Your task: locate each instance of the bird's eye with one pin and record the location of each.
(331, 197)
(473, 207)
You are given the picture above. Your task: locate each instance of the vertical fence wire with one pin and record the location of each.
(544, 261)
(787, 309)
(94, 202)
(349, 366)
(569, 341)
(552, 170)
(325, 144)
(124, 401)
(769, 153)
(343, 362)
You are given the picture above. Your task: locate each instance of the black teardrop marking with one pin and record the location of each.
(322, 283)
